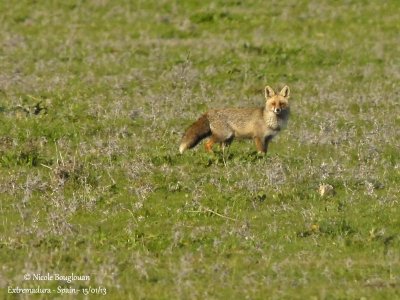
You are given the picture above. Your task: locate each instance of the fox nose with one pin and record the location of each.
(277, 110)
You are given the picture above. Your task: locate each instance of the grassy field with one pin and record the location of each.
(94, 98)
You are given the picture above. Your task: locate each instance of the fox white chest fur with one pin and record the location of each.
(276, 123)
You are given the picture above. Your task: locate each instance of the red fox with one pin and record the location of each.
(223, 125)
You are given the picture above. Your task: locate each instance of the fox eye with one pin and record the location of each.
(273, 103)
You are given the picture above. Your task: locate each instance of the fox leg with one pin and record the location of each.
(224, 141)
(267, 139)
(208, 146)
(227, 142)
(261, 145)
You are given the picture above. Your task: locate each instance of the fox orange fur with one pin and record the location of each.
(223, 125)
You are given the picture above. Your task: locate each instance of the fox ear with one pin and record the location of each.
(285, 91)
(269, 92)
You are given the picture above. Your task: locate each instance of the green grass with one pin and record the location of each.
(94, 98)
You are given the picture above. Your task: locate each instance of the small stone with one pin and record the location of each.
(326, 189)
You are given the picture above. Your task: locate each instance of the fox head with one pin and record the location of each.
(277, 103)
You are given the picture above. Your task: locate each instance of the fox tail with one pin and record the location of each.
(195, 133)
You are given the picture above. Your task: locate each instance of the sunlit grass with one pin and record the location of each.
(95, 96)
